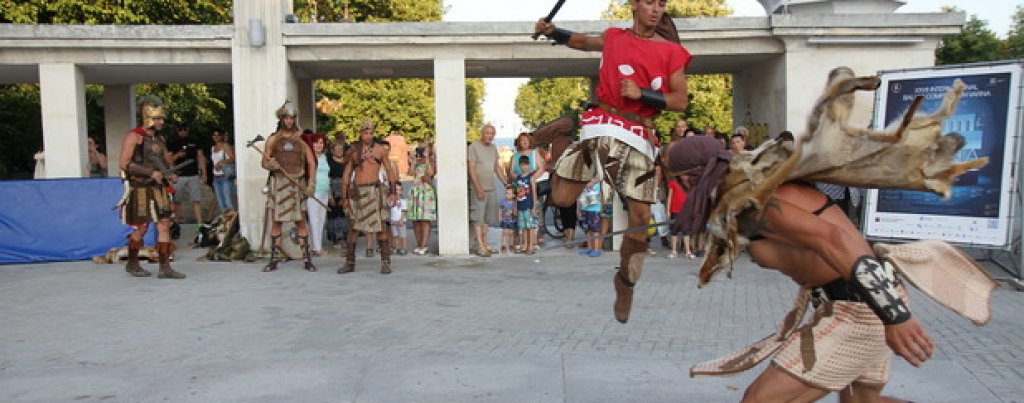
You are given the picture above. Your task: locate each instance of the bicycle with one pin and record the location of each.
(551, 216)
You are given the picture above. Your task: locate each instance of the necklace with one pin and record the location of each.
(647, 35)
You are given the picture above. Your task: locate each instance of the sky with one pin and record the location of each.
(501, 92)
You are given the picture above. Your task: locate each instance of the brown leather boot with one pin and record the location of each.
(350, 257)
(307, 263)
(623, 297)
(632, 253)
(385, 257)
(163, 250)
(272, 264)
(132, 266)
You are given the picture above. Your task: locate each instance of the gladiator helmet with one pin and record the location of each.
(151, 108)
(287, 109)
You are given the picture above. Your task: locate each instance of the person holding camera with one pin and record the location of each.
(422, 199)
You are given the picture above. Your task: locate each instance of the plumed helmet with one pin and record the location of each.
(151, 108)
(367, 124)
(287, 109)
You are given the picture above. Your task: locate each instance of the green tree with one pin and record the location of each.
(20, 125)
(1015, 38)
(619, 9)
(367, 10)
(405, 106)
(975, 43)
(116, 12)
(541, 100)
(203, 106)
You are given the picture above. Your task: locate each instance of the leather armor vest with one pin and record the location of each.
(150, 154)
(290, 153)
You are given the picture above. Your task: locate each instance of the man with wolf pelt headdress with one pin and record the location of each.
(291, 163)
(761, 200)
(144, 169)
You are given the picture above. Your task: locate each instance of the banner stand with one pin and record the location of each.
(984, 214)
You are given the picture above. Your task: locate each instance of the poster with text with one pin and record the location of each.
(987, 116)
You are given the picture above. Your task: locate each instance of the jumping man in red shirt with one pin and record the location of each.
(642, 73)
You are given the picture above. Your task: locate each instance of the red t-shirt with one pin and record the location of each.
(649, 63)
(678, 197)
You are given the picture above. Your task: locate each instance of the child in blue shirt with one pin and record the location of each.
(526, 187)
(509, 219)
(590, 216)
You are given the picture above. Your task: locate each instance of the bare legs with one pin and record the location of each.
(421, 230)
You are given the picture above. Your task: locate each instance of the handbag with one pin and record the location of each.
(228, 170)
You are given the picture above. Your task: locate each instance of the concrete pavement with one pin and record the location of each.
(464, 329)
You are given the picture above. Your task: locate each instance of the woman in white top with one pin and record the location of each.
(316, 212)
(223, 157)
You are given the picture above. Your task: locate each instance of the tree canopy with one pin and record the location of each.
(116, 12)
(405, 106)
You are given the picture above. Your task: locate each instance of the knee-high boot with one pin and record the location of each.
(385, 256)
(164, 249)
(350, 255)
(272, 264)
(132, 266)
(307, 262)
(631, 264)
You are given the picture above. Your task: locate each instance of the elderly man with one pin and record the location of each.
(482, 166)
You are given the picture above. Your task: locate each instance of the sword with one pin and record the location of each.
(615, 233)
(551, 15)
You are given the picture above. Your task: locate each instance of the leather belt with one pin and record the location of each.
(838, 290)
(647, 122)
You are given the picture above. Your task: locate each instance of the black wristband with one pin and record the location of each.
(561, 36)
(653, 98)
(875, 283)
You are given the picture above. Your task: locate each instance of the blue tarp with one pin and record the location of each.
(60, 219)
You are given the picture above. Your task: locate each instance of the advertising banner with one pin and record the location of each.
(987, 116)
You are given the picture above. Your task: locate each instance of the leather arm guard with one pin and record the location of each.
(136, 170)
(875, 284)
(653, 98)
(271, 165)
(561, 36)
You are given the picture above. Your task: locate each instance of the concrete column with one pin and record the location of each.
(62, 103)
(118, 117)
(808, 61)
(306, 104)
(261, 81)
(450, 126)
(759, 92)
